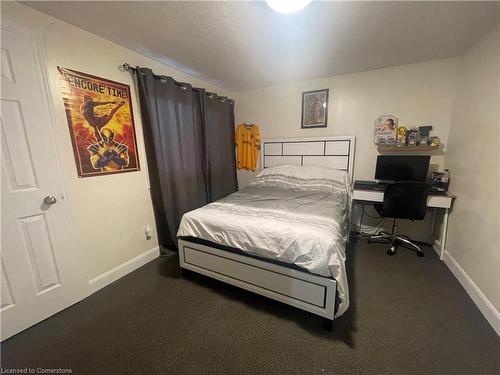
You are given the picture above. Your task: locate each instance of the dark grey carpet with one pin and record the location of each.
(408, 315)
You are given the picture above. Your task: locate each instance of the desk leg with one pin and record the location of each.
(444, 232)
(433, 225)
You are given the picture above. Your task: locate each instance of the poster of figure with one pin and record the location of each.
(314, 109)
(101, 123)
(386, 127)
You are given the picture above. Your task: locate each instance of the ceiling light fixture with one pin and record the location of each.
(287, 6)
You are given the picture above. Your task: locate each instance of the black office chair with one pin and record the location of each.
(402, 200)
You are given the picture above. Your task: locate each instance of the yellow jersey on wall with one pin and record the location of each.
(248, 144)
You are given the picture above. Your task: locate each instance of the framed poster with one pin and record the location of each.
(315, 109)
(101, 123)
(386, 127)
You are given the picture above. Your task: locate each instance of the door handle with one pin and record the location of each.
(49, 199)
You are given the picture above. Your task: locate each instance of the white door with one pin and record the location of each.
(39, 274)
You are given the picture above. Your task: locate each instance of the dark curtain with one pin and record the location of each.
(220, 163)
(184, 170)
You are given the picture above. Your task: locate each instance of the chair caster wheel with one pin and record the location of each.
(420, 254)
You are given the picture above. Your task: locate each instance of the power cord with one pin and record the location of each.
(366, 213)
(370, 230)
(373, 229)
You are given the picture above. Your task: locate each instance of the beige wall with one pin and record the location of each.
(474, 160)
(417, 94)
(111, 211)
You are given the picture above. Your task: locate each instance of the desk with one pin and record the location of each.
(434, 201)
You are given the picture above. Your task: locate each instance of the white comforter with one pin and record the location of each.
(295, 215)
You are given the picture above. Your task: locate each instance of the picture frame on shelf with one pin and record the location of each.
(385, 130)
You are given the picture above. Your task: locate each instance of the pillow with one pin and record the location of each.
(308, 178)
(305, 172)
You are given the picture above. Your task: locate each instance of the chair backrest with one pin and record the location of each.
(406, 200)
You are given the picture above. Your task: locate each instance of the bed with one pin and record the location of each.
(284, 235)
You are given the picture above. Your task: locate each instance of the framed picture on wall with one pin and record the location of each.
(101, 123)
(315, 109)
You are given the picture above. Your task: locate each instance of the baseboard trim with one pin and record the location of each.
(121, 270)
(485, 306)
(437, 247)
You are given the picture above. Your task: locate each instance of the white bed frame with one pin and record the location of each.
(303, 290)
(330, 152)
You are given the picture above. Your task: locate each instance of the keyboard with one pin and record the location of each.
(438, 192)
(369, 185)
(380, 186)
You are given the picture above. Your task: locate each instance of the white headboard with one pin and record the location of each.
(331, 152)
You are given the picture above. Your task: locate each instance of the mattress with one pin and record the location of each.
(295, 215)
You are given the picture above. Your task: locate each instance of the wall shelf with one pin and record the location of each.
(383, 149)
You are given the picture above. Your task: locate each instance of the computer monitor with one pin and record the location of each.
(402, 167)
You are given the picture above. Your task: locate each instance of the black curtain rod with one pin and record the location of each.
(127, 67)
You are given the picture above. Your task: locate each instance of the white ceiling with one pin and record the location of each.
(245, 45)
